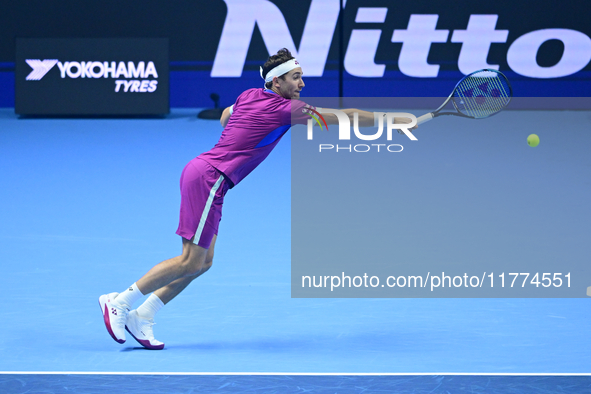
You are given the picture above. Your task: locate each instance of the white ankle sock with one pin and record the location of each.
(129, 296)
(149, 308)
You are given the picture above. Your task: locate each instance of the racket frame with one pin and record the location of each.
(430, 115)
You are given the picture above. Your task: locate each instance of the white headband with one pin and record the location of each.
(280, 70)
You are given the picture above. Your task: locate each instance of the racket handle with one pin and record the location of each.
(424, 118)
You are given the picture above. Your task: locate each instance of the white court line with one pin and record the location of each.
(293, 373)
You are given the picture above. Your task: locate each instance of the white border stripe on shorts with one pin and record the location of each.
(212, 192)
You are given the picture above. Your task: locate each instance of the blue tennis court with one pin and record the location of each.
(89, 205)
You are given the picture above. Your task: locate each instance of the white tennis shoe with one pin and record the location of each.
(141, 330)
(115, 316)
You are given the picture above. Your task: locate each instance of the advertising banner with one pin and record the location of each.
(92, 77)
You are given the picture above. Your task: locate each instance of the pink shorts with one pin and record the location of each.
(202, 194)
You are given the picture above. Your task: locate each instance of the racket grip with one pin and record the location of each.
(424, 118)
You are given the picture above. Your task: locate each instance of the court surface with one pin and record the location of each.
(89, 205)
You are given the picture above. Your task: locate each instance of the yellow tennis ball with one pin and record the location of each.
(533, 140)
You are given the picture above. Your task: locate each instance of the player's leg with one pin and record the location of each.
(202, 192)
(168, 292)
(116, 306)
(189, 264)
(139, 322)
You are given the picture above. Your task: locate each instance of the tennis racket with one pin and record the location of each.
(478, 95)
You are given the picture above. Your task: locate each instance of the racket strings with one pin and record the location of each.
(479, 99)
(482, 94)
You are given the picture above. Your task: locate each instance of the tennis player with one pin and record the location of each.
(252, 128)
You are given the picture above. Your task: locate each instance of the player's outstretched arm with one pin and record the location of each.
(225, 117)
(366, 119)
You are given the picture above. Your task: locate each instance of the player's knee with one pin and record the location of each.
(191, 260)
(191, 266)
(195, 262)
(204, 266)
(207, 264)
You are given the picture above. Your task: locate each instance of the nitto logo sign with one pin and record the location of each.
(96, 69)
(416, 37)
(392, 122)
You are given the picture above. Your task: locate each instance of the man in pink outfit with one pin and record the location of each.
(253, 126)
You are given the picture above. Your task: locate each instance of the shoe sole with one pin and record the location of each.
(107, 319)
(145, 343)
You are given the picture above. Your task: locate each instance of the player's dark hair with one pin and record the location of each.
(282, 56)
